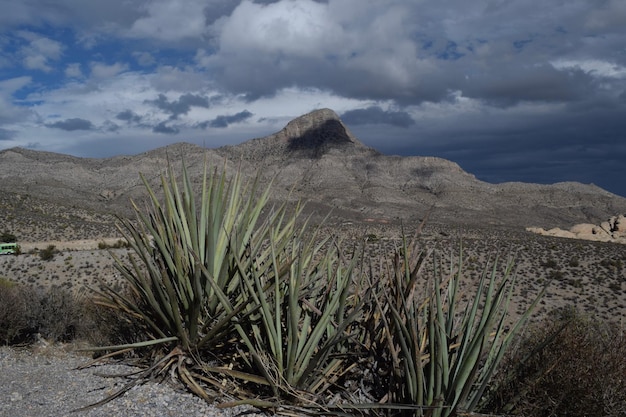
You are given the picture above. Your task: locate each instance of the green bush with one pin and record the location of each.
(570, 364)
(6, 283)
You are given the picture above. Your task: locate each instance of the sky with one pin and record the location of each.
(511, 90)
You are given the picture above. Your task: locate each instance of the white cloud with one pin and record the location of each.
(168, 78)
(292, 102)
(10, 113)
(100, 70)
(301, 28)
(40, 51)
(170, 20)
(9, 86)
(73, 70)
(144, 59)
(362, 48)
(595, 67)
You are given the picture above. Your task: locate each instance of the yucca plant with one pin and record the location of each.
(442, 351)
(184, 269)
(225, 286)
(302, 329)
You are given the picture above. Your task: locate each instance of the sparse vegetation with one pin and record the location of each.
(27, 313)
(570, 364)
(8, 237)
(48, 253)
(117, 245)
(350, 323)
(295, 316)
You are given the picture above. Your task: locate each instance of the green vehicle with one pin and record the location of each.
(8, 248)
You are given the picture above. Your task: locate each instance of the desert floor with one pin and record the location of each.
(590, 276)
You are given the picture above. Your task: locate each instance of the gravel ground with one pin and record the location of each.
(45, 382)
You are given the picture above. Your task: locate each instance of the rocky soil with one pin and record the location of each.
(588, 275)
(46, 381)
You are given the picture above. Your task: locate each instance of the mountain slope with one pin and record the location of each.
(315, 158)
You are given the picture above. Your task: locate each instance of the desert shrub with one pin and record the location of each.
(48, 253)
(8, 237)
(6, 283)
(437, 350)
(60, 315)
(18, 312)
(574, 262)
(108, 327)
(569, 364)
(27, 313)
(371, 237)
(550, 263)
(121, 243)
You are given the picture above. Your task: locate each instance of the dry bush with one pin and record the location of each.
(48, 253)
(17, 318)
(54, 314)
(105, 326)
(568, 365)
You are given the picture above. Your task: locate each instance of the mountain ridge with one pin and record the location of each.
(316, 158)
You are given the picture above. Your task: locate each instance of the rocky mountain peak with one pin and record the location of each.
(315, 132)
(309, 136)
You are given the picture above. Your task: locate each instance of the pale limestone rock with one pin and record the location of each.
(619, 224)
(601, 232)
(583, 229)
(612, 230)
(562, 233)
(606, 226)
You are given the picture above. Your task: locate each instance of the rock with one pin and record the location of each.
(618, 224)
(583, 229)
(612, 230)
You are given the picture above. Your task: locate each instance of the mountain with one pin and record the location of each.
(315, 158)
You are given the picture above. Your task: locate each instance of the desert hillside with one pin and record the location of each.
(71, 203)
(314, 158)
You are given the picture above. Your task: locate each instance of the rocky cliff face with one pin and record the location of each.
(316, 158)
(308, 137)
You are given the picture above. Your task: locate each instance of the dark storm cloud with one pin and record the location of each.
(164, 128)
(584, 143)
(409, 54)
(512, 84)
(72, 124)
(225, 121)
(376, 115)
(110, 126)
(128, 116)
(6, 134)
(181, 106)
